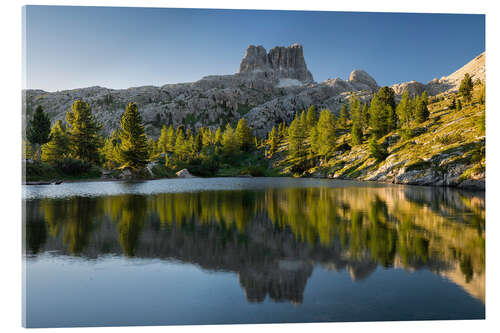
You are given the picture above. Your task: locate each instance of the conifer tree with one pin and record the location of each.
(365, 116)
(83, 132)
(297, 136)
(311, 117)
(229, 141)
(404, 109)
(218, 136)
(133, 151)
(243, 135)
(180, 144)
(272, 139)
(326, 133)
(453, 104)
(163, 140)
(282, 130)
(459, 105)
(357, 121)
(58, 146)
(466, 87)
(379, 117)
(110, 150)
(343, 116)
(198, 142)
(38, 131)
(356, 133)
(153, 148)
(422, 112)
(376, 150)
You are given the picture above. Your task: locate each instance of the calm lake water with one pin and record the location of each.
(250, 250)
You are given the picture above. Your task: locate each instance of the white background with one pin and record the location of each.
(10, 153)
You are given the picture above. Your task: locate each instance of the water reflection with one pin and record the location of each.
(273, 238)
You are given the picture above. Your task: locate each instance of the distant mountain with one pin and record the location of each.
(269, 88)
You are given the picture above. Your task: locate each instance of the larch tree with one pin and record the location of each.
(133, 151)
(272, 140)
(58, 147)
(230, 143)
(38, 131)
(83, 132)
(243, 135)
(311, 117)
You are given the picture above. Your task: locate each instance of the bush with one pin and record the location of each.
(72, 167)
(405, 133)
(255, 171)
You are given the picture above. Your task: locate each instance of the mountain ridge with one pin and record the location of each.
(269, 88)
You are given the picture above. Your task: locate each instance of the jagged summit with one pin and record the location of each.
(281, 62)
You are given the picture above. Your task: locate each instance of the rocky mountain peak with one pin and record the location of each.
(362, 80)
(281, 62)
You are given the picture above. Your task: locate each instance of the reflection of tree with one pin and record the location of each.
(131, 222)
(251, 232)
(36, 235)
(79, 223)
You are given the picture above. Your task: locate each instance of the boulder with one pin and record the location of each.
(184, 173)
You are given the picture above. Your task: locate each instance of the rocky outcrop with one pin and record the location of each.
(269, 88)
(184, 173)
(476, 68)
(280, 62)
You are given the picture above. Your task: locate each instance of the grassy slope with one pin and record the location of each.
(448, 149)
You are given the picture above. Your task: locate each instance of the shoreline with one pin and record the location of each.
(480, 187)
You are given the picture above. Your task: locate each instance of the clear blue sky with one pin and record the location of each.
(73, 47)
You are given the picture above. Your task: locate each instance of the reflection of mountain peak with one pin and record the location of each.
(285, 281)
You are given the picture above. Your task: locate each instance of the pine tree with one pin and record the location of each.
(326, 133)
(356, 133)
(466, 87)
(343, 116)
(459, 105)
(38, 131)
(404, 109)
(422, 112)
(58, 146)
(386, 96)
(453, 104)
(83, 132)
(297, 136)
(133, 151)
(243, 135)
(365, 116)
(376, 150)
(379, 117)
(357, 121)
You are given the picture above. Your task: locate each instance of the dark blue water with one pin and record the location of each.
(236, 250)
